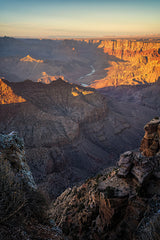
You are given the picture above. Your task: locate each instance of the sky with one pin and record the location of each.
(79, 18)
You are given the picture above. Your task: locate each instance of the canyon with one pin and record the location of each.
(72, 132)
(78, 104)
(115, 61)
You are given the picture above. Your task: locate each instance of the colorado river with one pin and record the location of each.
(87, 75)
(93, 71)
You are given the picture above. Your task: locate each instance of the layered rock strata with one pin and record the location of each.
(139, 62)
(126, 49)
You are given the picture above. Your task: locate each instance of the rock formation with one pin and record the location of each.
(28, 58)
(7, 96)
(150, 145)
(22, 207)
(140, 63)
(119, 203)
(125, 49)
(45, 78)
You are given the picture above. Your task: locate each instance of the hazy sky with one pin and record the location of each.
(88, 18)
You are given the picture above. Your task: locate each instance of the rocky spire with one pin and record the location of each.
(150, 145)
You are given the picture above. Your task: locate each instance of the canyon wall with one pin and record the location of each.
(137, 62)
(115, 62)
(124, 49)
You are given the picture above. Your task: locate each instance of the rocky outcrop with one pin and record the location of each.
(150, 145)
(12, 155)
(141, 167)
(47, 79)
(28, 58)
(22, 207)
(119, 203)
(7, 95)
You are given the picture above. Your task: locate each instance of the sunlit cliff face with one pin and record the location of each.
(28, 58)
(7, 96)
(77, 91)
(47, 79)
(139, 63)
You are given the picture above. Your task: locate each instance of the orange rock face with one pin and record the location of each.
(47, 79)
(28, 58)
(7, 96)
(125, 49)
(139, 63)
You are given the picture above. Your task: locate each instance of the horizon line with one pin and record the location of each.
(130, 36)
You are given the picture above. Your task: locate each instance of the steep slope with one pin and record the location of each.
(50, 121)
(125, 49)
(72, 132)
(23, 210)
(7, 96)
(119, 203)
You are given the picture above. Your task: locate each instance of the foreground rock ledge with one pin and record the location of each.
(22, 207)
(150, 145)
(120, 203)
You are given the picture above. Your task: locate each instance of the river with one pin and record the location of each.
(87, 75)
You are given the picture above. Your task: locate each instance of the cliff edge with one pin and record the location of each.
(119, 203)
(23, 209)
(139, 62)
